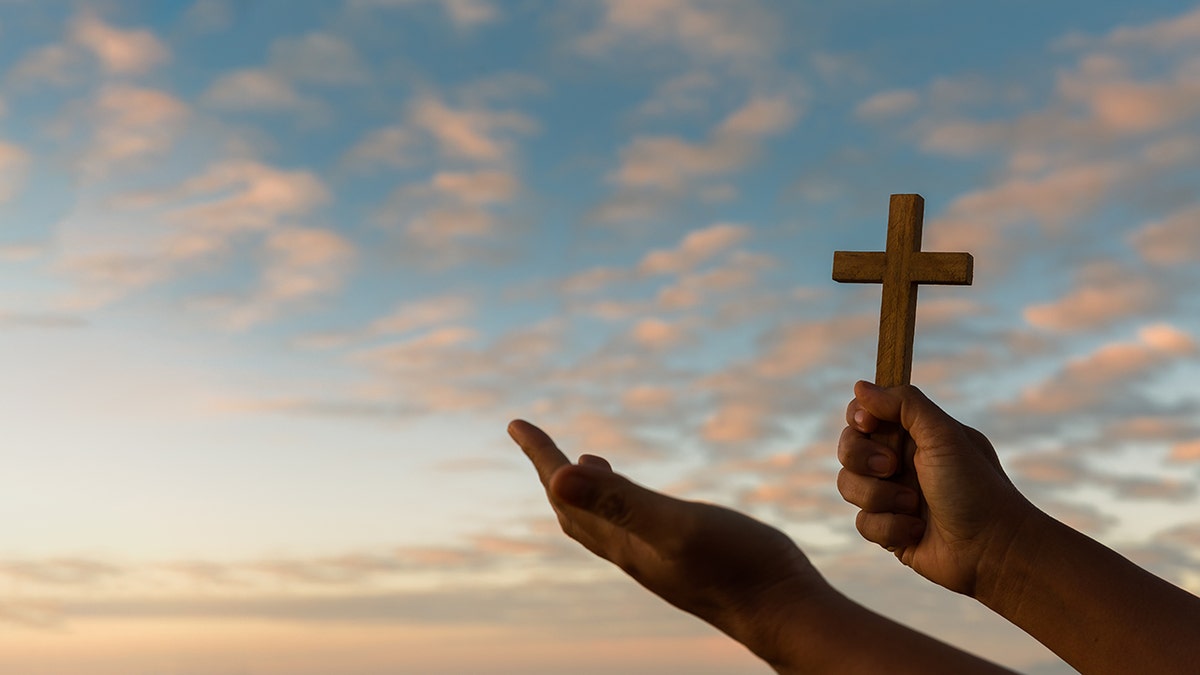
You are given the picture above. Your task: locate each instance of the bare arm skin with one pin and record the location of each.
(967, 528)
(742, 576)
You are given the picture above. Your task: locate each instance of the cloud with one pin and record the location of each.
(53, 64)
(300, 264)
(671, 164)
(40, 320)
(885, 104)
(435, 311)
(1105, 292)
(656, 334)
(1172, 241)
(1186, 452)
(1106, 374)
(319, 58)
(241, 195)
(209, 15)
(1170, 33)
(464, 14)
(695, 248)
(593, 280)
(255, 89)
(89, 39)
(478, 187)
(657, 170)
(389, 147)
(13, 161)
(416, 315)
(681, 95)
(443, 218)
(796, 347)
(120, 51)
(739, 272)
(705, 30)
(472, 133)
(1113, 129)
(130, 124)
(206, 213)
(315, 58)
(59, 571)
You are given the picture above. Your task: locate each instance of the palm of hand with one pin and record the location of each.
(702, 558)
(960, 524)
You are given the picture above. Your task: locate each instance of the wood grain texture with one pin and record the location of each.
(901, 268)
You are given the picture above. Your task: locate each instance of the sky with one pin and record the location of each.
(274, 276)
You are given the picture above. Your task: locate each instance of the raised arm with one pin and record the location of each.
(744, 577)
(966, 527)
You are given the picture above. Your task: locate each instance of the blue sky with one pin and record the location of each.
(274, 277)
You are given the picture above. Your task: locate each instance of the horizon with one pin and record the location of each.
(276, 281)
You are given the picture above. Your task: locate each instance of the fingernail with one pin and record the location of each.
(879, 464)
(869, 385)
(575, 488)
(514, 429)
(860, 418)
(907, 501)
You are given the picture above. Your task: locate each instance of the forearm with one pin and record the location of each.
(1091, 606)
(826, 632)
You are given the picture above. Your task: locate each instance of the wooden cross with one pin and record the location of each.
(901, 268)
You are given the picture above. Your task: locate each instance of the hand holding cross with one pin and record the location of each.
(900, 269)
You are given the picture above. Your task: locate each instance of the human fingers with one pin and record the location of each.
(616, 500)
(859, 418)
(890, 530)
(860, 454)
(875, 495)
(904, 404)
(539, 448)
(594, 460)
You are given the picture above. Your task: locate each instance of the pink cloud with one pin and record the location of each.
(13, 161)
(657, 334)
(421, 314)
(1185, 452)
(474, 134)
(740, 271)
(646, 397)
(738, 422)
(671, 164)
(254, 89)
(885, 104)
(462, 13)
(695, 248)
(799, 346)
(1088, 380)
(120, 51)
(1105, 292)
(301, 264)
(479, 187)
(708, 31)
(1174, 240)
(1164, 34)
(130, 124)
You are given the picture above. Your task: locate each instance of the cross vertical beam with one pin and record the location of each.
(901, 268)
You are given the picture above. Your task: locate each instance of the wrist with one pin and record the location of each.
(783, 618)
(1007, 563)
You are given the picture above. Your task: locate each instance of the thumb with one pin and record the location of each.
(906, 405)
(613, 498)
